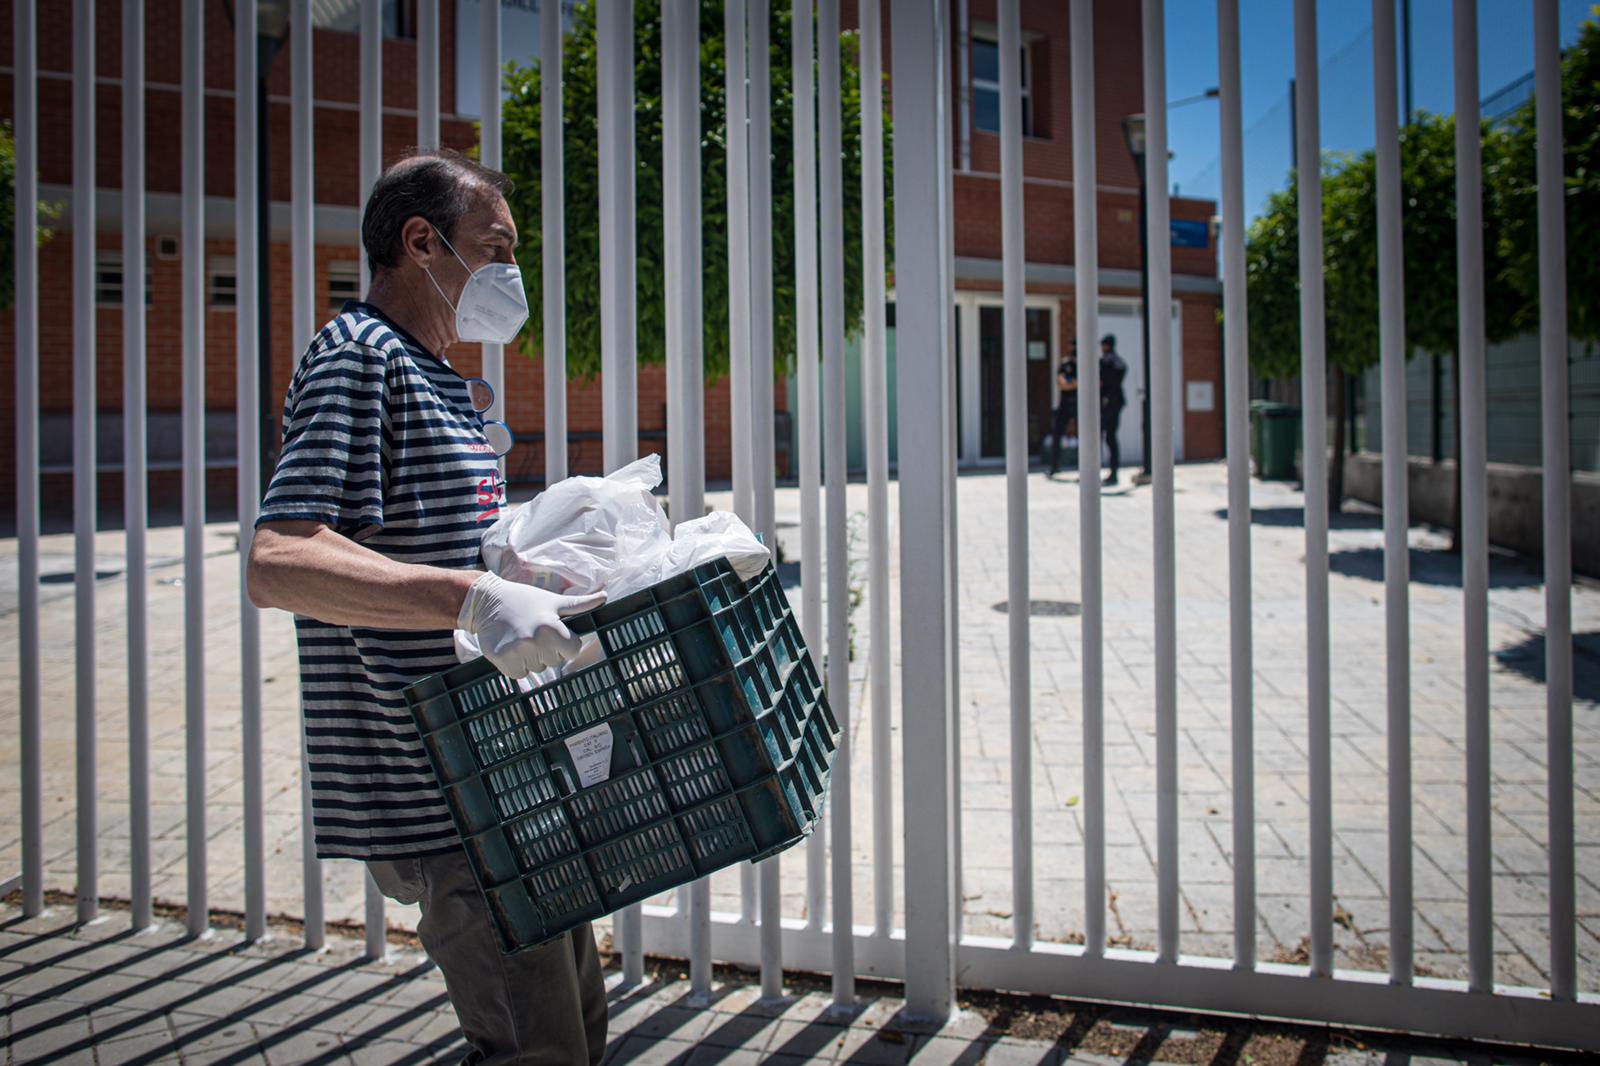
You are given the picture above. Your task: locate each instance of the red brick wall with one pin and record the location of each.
(1048, 200)
(164, 361)
(1202, 361)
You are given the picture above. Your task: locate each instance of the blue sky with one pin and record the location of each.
(1344, 44)
(1344, 48)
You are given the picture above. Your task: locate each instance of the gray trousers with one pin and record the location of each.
(542, 1005)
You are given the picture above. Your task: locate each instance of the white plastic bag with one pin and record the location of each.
(593, 534)
(573, 536)
(716, 535)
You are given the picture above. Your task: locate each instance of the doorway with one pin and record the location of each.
(980, 404)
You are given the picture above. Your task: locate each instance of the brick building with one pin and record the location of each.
(1048, 200)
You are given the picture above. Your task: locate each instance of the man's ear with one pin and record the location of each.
(418, 241)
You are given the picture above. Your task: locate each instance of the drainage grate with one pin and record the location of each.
(1045, 608)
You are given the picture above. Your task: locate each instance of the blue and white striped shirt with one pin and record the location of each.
(380, 444)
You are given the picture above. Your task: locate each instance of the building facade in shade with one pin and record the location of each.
(1047, 165)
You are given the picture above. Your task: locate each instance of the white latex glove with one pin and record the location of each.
(519, 627)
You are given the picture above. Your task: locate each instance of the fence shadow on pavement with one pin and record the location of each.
(1291, 517)
(1435, 567)
(1526, 658)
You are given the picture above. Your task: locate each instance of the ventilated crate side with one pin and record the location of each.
(721, 737)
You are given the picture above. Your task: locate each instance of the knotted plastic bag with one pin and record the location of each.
(572, 537)
(608, 534)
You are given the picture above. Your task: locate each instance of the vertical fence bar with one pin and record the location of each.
(1396, 516)
(248, 341)
(84, 494)
(680, 140)
(1086, 297)
(303, 254)
(1236, 376)
(1016, 413)
(802, 57)
(552, 163)
(738, 177)
(373, 917)
(964, 85)
(315, 926)
(618, 324)
(494, 355)
(922, 292)
(830, 119)
(1557, 505)
(1159, 315)
(875, 428)
(371, 163)
(26, 96)
(135, 490)
(952, 637)
(428, 73)
(194, 464)
(671, 229)
(805, 287)
(1474, 497)
(1313, 402)
(740, 416)
(371, 111)
(763, 474)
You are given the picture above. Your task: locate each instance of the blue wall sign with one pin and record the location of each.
(1187, 233)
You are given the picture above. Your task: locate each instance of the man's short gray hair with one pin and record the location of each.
(436, 184)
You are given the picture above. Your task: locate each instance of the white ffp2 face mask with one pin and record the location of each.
(493, 305)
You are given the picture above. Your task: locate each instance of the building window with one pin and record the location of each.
(108, 280)
(222, 282)
(986, 86)
(344, 283)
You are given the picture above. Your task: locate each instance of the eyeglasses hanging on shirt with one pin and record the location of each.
(498, 434)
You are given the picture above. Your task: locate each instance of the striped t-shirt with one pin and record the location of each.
(380, 444)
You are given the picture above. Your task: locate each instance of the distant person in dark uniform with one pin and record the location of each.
(1064, 428)
(1113, 371)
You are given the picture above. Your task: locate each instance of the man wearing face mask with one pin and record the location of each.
(369, 534)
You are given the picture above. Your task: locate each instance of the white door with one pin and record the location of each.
(1120, 318)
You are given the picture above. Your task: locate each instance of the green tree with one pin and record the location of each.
(1350, 263)
(1350, 258)
(1513, 194)
(48, 212)
(582, 181)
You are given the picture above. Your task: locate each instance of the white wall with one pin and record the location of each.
(1120, 318)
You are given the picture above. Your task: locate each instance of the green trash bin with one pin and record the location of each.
(1274, 438)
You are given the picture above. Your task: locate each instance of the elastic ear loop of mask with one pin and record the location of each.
(463, 262)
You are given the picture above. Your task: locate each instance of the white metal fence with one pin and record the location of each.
(930, 953)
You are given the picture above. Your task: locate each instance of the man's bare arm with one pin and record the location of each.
(307, 568)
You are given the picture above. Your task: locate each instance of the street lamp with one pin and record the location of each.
(1133, 134)
(272, 30)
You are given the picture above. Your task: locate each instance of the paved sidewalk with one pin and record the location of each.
(105, 995)
(1206, 916)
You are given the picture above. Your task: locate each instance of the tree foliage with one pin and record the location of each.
(581, 174)
(8, 219)
(1428, 228)
(1513, 193)
(1350, 258)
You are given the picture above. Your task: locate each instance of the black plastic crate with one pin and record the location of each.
(701, 740)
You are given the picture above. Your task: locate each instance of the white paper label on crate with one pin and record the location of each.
(591, 754)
